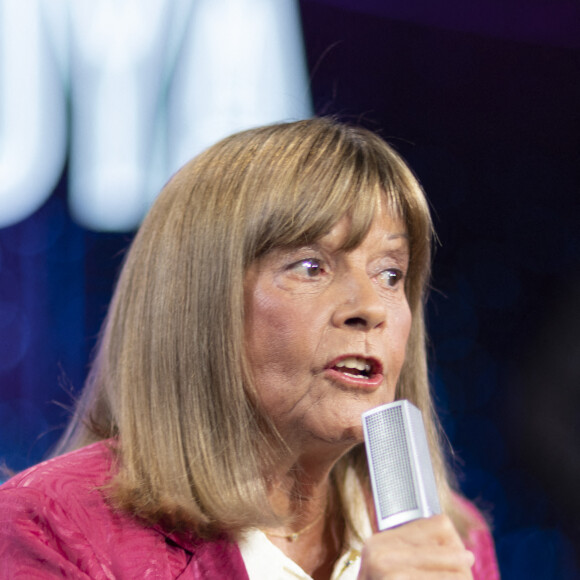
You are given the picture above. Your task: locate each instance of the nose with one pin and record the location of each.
(359, 305)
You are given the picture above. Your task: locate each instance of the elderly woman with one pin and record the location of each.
(274, 293)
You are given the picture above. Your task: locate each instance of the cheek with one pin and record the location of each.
(277, 357)
(275, 334)
(406, 323)
(401, 330)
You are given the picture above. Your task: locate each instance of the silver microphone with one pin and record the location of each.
(400, 467)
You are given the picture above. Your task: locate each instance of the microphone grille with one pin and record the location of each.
(400, 468)
(391, 462)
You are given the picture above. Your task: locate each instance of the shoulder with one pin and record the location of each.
(88, 467)
(66, 491)
(55, 521)
(47, 512)
(479, 540)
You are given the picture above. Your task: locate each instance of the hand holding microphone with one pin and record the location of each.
(415, 540)
(427, 548)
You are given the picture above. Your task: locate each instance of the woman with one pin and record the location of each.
(274, 292)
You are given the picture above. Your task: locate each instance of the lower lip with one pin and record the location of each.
(355, 381)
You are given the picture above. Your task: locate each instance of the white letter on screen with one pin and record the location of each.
(117, 62)
(242, 65)
(32, 110)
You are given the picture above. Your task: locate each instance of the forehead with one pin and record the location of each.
(384, 229)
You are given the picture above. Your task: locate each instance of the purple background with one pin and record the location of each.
(483, 99)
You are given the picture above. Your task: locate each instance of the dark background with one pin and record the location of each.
(482, 98)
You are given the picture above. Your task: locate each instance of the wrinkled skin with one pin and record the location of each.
(309, 310)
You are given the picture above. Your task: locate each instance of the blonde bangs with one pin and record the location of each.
(312, 181)
(301, 179)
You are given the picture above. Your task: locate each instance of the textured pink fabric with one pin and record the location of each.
(480, 543)
(55, 523)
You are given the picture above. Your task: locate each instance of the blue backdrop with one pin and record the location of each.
(484, 102)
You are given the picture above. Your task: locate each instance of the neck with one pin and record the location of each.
(313, 532)
(299, 498)
(302, 493)
(301, 486)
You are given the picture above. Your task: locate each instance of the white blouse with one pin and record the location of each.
(265, 561)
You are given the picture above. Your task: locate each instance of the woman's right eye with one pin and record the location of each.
(311, 267)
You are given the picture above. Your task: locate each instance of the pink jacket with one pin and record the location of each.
(55, 523)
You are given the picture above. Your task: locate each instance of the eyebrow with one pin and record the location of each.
(402, 235)
(402, 250)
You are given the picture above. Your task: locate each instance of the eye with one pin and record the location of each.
(392, 277)
(311, 267)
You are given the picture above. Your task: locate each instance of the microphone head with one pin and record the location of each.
(400, 467)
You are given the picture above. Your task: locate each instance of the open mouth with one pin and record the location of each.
(358, 367)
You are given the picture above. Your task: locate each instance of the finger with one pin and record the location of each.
(435, 530)
(444, 530)
(386, 556)
(414, 575)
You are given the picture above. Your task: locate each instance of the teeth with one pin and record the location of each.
(355, 363)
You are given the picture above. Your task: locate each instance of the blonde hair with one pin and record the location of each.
(170, 381)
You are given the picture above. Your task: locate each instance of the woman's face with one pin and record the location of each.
(326, 331)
